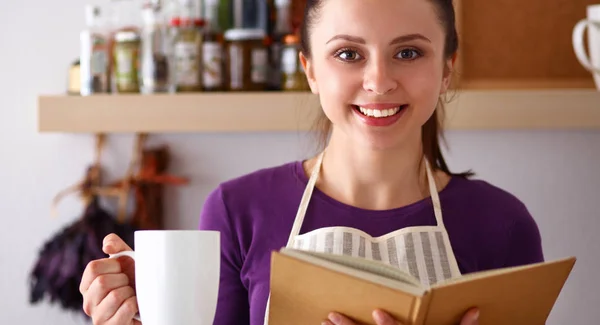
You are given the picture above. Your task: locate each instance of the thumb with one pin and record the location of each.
(471, 317)
(113, 244)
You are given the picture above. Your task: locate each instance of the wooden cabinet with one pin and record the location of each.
(519, 44)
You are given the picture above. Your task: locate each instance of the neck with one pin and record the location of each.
(373, 179)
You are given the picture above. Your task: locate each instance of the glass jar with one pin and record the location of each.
(126, 61)
(293, 75)
(246, 60)
(187, 56)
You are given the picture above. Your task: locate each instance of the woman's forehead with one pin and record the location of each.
(377, 18)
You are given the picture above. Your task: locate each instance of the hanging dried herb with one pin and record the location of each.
(63, 258)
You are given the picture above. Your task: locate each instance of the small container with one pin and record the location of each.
(126, 61)
(94, 69)
(293, 75)
(246, 60)
(212, 49)
(154, 65)
(187, 56)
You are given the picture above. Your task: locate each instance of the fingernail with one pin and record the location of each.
(476, 315)
(335, 318)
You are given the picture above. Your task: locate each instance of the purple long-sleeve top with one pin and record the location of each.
(488, 228)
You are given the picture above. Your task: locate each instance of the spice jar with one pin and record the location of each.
(293, 75)
(187, 55)
(126, 61)
(246, 60)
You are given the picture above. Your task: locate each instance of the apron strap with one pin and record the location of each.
(437, 206)
(300, 216)
(305, 200)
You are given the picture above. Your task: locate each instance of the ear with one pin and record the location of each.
(310, 75)
(449, 65)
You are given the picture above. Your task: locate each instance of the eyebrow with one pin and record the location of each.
(400, 39)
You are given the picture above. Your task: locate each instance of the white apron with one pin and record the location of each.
(423, 251)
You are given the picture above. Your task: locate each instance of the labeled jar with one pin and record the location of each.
(126, 61)
(187, 56)
(246, 60)
(292, 71)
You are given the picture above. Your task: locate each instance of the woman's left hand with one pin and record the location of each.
(382, 318)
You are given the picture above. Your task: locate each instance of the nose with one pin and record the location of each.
(377, 78)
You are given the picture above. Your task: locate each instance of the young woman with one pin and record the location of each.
(380, 69)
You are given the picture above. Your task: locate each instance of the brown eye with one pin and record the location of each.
(347, 55)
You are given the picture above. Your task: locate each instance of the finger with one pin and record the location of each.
(100, 288)
(471, 317)
(113, 244)
(110, 306)
(96, 268)
(326, 322)
(382, 318)
(125, 313)
(339, 319)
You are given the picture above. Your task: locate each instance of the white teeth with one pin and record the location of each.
(379, 113)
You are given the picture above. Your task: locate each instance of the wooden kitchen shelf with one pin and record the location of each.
(252, 112)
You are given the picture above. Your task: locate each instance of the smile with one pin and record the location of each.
(379, 112)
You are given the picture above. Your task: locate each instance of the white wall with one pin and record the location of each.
(555, 173)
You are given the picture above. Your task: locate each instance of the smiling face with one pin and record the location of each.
(379, 68)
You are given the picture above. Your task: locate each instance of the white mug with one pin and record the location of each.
(176, 275)
(592, 24)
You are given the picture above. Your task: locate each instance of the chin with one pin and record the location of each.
(387, 141)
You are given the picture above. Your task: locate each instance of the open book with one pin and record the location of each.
(306, 286)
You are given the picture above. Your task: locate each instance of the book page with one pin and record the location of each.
(364, 265)
(490, 273)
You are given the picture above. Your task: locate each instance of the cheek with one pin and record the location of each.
(334, 76)
(337, 83)
(422, 84)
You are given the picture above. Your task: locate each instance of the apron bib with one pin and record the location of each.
(423, 251)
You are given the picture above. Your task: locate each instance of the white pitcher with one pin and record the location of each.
(592, 61)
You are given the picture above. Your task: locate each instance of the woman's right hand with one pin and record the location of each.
(107, 286)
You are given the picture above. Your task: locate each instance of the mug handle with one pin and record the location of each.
(579, 47)
(130, 254)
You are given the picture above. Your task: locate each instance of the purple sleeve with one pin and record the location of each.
(525, 243)
(232, 306)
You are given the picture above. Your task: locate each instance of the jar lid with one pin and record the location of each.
(126, 36)
(291, 39)
(240, 34)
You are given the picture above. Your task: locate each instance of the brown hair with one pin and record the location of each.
(432, 130)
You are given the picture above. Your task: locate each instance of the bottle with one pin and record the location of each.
(93, 55)
(212, 50)
(225, 14)
(187, 50)
(297, 13)
(126, 60)
(283, 28)
(124, 17)
(154, 67)
(294, 77)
